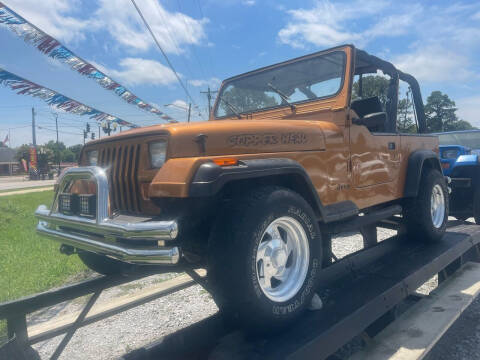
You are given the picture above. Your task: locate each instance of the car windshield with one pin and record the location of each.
(300, 81)
(470, 139)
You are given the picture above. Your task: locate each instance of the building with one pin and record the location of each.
(8, 165)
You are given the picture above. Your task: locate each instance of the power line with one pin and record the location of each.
(193, 48)
(53, 130)
(163, 52)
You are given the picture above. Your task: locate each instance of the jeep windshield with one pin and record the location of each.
(303, 80)
(470, 139)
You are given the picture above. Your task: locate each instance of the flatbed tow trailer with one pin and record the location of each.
(367, 287)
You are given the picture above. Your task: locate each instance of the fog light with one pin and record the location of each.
(67, 203)
(87, 205)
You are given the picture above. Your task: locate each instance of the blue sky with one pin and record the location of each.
(208, 40)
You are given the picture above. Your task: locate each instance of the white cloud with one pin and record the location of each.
(55, 17)
(476, 16)
(248, 2)
(138, 71)
(173, 29)
(434, 64)
(468, 109)
(180, 104)
(213, 82)
(328, 24)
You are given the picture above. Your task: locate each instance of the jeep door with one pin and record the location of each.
(375, 163)
(374, 156)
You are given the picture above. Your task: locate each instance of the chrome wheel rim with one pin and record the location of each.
(437, 206)
(282, 259)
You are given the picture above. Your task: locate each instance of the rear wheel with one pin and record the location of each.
(103, 264)
(265, 253)
(426, 216)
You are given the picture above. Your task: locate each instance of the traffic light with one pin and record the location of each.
(85, 134)
(88, 127)
(93, 136)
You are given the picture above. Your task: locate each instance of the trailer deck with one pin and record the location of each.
(360, 292)
(360, 289)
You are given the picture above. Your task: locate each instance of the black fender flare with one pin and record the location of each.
(209, 180)
(416, 163)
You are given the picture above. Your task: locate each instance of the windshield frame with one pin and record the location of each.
(285, 63)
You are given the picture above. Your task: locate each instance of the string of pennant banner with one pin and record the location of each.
(54, 49)
(25, 87)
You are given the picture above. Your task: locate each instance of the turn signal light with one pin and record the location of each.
(226, 162)
(445, 165)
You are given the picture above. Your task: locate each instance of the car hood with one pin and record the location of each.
(230, 137)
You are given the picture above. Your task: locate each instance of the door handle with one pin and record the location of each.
(391, 146)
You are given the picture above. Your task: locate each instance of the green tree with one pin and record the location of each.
(245, 100)
(23, 152)
(67, 155)
(440, 112)
(372, 85)
(75, 149)
(405, 122)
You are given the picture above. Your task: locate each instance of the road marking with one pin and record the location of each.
(414, 333)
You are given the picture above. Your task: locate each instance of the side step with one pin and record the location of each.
(360, 221)
(412, 335)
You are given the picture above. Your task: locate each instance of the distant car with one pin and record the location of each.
(459, 156)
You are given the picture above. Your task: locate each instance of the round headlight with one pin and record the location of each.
(158, 153)
(92, 157)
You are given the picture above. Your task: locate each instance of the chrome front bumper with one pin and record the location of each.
(102, 234)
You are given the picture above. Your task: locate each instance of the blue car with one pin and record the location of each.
(459, 155)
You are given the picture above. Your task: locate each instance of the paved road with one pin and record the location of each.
(20, 182)
(462, 340)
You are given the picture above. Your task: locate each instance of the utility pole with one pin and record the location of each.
(99, 131)
(58, 150)
(10, 165)
(34, 139)
(209, 97)
(189, 111)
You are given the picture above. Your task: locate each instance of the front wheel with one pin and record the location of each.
(426, 216)
(265, 253)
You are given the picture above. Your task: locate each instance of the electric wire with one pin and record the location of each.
(163, 52)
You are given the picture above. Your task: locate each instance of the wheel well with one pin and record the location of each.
(431, 163)
(294, 182)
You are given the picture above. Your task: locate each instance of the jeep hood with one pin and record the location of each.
(230, 137)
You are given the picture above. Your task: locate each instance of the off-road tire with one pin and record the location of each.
(103, 264)
(232, 263)
(417, 212)
(476, 206)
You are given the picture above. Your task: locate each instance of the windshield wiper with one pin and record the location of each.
(231, 107)
(283, 96)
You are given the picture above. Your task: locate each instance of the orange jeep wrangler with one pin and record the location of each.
(286, 159)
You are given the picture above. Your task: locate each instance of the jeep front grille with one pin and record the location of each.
(121, 163)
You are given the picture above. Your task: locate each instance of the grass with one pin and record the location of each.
(28, 262)
(24, 188)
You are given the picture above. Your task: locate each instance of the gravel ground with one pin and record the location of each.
(112, 337)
